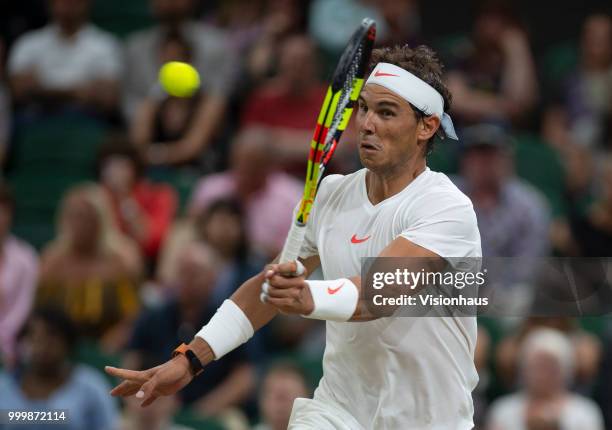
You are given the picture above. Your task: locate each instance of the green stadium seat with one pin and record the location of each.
(189, 419)
(444, 157)
(539, 164)
(49, 157)
(183, 182)
(122, 17)
(62, 139)
(88, 352)
(557, 63)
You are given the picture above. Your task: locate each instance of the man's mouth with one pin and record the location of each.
(368, 146)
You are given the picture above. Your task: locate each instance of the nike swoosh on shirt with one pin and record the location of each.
(334, 290)
(378, 73)
(354, 239)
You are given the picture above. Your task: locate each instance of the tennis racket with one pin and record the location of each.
(342, 93)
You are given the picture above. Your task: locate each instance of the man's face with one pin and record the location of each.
(279, 391)
(45, 349)
(195, 276)
(387, 128)
(485, 167)
(69, 11)
(172, 10)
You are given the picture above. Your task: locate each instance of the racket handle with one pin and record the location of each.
(293, 243)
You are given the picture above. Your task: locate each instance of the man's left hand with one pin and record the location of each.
(286, 290)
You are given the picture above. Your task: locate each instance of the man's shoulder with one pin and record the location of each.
(34, 38)
(509, 404)
(21, 249)
(142, 38)
(95, 35)
(583, 404)
(205, 34)
(336, 183)
(439, 186)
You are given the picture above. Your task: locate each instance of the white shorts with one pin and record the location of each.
(309, 414)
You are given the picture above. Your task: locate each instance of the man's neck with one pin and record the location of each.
(486, 198)
(69, 30)
(381, 186)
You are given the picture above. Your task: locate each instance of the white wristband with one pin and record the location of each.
(227, 329)
(333, 300)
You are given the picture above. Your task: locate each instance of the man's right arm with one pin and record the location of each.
(247, 299)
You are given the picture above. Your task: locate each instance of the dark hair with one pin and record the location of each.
(234, 208)
(57, 320)
(288, 366)
(422, 62)
(120, 146)
(175, 36)
(6, 197)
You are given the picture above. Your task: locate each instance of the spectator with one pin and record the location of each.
(586, 347)
(163, 125)
(48, 380)
(512, 216)
(331, 22)
(289, 103)
(90, 269)
(143, 210)
(220, 226)
(282, 385)
(493, 79)
(583, 104)
(545, 401)
(402, 22)
(279, 20)
(590, 234)
(5, 115)
(226, 383)
(211, 56)
(18, 276)
(267, 196)
(70, 62)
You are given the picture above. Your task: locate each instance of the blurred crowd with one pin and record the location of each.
(127, 215)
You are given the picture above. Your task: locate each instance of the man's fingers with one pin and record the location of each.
(132, 375)
(279, 293)
(281, 303)
(126, 388)
(147, 391)
(289, 269)
(278, 281)
(150, 400)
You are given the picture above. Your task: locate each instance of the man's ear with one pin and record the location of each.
(427, 127)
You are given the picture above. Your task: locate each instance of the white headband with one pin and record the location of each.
(415, 91)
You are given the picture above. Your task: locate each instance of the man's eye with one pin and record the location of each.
(363, 107)
(387, 113)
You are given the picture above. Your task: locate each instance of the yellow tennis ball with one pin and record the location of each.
(179, 79)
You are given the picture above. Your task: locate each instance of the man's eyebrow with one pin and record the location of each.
(388, 103)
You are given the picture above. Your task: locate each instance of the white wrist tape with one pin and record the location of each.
(333, 300)
(227, 329)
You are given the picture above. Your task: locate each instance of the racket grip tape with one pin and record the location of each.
(293, 243)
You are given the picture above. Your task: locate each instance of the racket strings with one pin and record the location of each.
(345, 96)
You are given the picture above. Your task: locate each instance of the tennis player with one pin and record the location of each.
(379, 373)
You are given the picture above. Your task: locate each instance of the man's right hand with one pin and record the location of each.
(148, 385)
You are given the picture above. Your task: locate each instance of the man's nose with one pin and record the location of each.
(367, 124)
